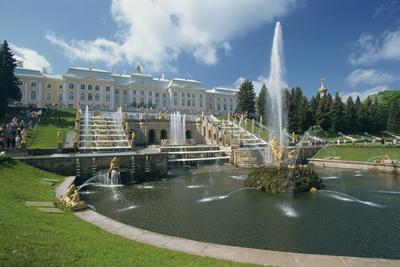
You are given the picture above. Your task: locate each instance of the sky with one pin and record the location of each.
(353, 44)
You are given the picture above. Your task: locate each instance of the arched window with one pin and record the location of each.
(89, 97)
(48, 86)
(125, 92)
(163, 134)
(48, 96)
(33, 95)
(82, 86)
(108, 88)
(107, 98)
(71, 96)
(97, 97)
(96, 87)
(71, 86)
(89, 87)
(82, 96)
(33, 84)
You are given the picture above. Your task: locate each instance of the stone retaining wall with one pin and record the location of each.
(364, 166)
(67, 165)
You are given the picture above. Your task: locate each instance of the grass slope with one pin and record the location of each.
(45, 134)
(358, 152)
(31, 238)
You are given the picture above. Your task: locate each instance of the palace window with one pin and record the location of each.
(125, 101)
(96, 97)
(125, 92)
(193, 102)
(107, 98)
(71, 86)
(89, 87)
(188, 103)
(164, 95)
(183, 94)
(183, 102)
(48, 86)
(33, 95)
(116, 91)
(89, 97)
(188, 95)
(60, 86)
(142, 101)
(134, 101)
(157, 94)
(141, 92)
(60, 97)
(96, 87)
(134, 91)
(82, 96)
(225, 107)
(33, 84)
(82, 86)
(175, 94)
(107, 88)
(48, 96)
(71, 96)
(150, 93)
(157, 101)
(175, 102)
(150, 101)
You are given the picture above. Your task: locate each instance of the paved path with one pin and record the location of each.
(237, 254)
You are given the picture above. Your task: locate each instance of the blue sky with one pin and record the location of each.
(354, 45)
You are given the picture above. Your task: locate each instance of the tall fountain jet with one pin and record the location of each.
(177, 126)
(275, 104)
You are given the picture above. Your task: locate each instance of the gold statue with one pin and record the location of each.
(292, 154)
(24, 136)
(59, 137)
(126, 126)
(72, 200)
(77, 137)
(114, 165)
(277, 151)
(161, 116)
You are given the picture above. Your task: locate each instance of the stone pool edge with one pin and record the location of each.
(223, 252)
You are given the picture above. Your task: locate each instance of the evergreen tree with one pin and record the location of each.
(338, 115)
(357, 123)
(393, 121)
(246, 99)
(350, 115)
(323, 113)
(298, 107)
(9, 89)
(261, 103)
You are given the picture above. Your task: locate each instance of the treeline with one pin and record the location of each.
(376, 113)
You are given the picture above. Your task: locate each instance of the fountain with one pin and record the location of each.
(279, 176)
(177, 128)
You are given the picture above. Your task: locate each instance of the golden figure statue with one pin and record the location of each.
(59, 137)
(24, 136)
(126, 126)
(277, 151)
(292, 154)
(72, 200)
(76, 138)
(114, 164)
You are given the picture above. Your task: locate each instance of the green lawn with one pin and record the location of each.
(31, 238)
(45, 134)
(358, 153)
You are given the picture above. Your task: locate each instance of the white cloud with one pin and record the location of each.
(257, 83)
(363, 94)
(31, 58)
(155, 33)
(371, 49)
(369, 77)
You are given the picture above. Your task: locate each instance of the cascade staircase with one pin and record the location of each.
(195, 155)
(103, 132)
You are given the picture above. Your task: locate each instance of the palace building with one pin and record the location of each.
(105, 90)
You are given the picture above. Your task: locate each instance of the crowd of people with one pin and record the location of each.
(11, 133)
